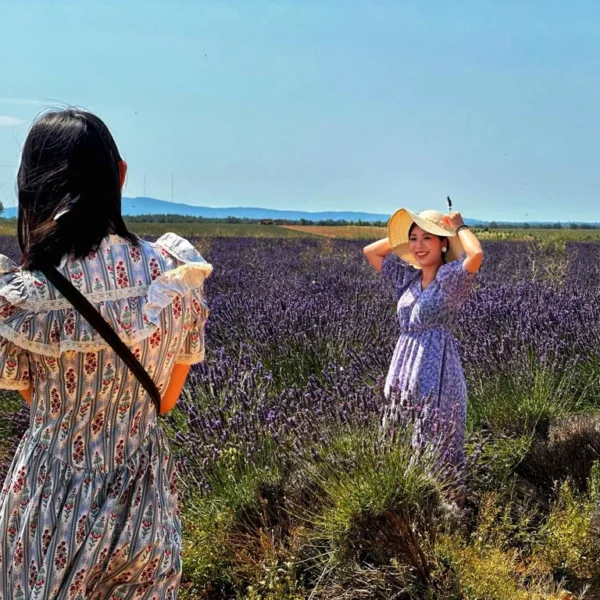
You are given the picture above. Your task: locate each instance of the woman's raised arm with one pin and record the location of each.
(470, 243)
(376, 252)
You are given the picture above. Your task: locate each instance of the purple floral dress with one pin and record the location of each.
(426, 381)
(88, 510)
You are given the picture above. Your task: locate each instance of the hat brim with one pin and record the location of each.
(399, 225)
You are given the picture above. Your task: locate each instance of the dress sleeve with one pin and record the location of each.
(398, 272)
(193, 270)
(14, 359)
(192, 349)
(14, 366)
(455, 282)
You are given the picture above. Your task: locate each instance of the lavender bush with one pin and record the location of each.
(299, 339)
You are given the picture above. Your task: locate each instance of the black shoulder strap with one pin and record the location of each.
(97, 321)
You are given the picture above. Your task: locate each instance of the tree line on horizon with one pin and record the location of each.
(175, 218)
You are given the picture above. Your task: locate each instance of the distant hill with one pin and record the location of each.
(152, 206)
(140, 206)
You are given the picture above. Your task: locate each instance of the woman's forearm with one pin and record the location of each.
(173, 391)
(376, 252)
(473, 250)
(27, 394)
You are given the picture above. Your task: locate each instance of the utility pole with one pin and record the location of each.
(172, 187)
(144, 185)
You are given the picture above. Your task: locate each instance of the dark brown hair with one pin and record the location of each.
(69, 188)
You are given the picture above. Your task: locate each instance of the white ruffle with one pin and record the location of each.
(12, 384)
(51, 326)
(190, 359)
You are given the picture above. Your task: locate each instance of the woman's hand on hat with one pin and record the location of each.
(454, 220)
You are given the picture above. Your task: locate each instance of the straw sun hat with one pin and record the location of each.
(429, 220)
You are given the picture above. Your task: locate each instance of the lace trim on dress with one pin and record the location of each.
(11, 384)
(134, 311)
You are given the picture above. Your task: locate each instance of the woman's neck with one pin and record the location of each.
(428, 274)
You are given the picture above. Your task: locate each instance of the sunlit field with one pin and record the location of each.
(348, 232)
(194, 229)
(354, 232)
(575, 235)
(216, 230)
(290, 491)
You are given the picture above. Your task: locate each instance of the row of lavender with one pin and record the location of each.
(301, 333)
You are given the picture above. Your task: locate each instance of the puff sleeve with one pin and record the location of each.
(14, 359)
(455, 282)
(188, 280)
(399, 273)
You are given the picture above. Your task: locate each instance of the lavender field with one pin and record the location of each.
(290, 491)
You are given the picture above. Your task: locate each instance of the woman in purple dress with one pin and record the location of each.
(431, 261)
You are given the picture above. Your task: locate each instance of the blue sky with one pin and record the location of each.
(324, 105)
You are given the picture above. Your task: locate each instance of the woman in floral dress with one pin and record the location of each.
(89, 506)
(431, 261)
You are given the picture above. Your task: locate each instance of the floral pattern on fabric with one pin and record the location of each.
(425, 377)
(89, 507)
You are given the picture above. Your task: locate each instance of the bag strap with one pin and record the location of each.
(97, 321)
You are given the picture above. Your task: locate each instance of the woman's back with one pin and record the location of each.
(93, 486)
(87, 407)
(89, 506)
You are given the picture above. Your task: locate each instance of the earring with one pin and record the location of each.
(444, 249)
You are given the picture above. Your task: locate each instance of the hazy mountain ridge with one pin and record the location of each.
(143, 206)
(153, 206)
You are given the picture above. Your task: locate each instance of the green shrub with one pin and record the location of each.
(523, 402)
(233, 535)
(379, 506)
(570, 540)
(493, 563)
(572, 447)
(489, 573)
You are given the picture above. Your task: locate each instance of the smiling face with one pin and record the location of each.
(426, 247)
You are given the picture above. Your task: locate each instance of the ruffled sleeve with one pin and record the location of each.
(398, 272)
(14, 360)
(189, 283)
(192, 349)
(129, 286)
(455, 282)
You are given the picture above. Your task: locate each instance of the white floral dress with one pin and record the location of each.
(89, 506)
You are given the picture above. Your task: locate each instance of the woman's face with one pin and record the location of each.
(425, 247)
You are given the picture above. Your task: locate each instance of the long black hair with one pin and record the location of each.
(69, 188)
